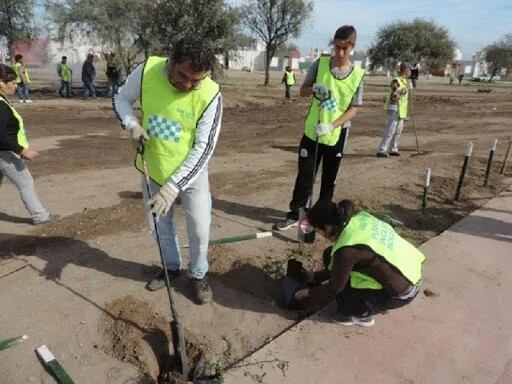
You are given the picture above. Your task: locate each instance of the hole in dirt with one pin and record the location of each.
(136, 334)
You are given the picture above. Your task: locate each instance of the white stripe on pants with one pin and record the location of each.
(15, 170)
(197, 202)
(389, 142)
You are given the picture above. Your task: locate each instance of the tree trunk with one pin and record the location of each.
(267, 67)
(494, 71)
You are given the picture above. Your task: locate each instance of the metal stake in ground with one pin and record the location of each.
(426, 185)
(507, 155)
(489, 161)
(178, 334)
(469, 151)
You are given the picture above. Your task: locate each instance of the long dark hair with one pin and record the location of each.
(7, 74)
(326, 213)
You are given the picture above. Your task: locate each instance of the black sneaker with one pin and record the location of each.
(292, 220)
(50, 219)
(394, 153)
(202, 290)
(159, 281)
(382, 154)
(365, 321)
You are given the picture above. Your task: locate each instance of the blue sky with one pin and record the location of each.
(472, 24)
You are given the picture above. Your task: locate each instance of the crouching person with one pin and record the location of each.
(370, 269)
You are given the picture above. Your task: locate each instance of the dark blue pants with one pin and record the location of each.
(89, 90)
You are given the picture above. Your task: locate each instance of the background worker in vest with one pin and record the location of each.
(22, 79)
(113, 73)
(182, 111)
(396, 106)
(337, 77)
(370, 268)
(64, 71)
(288, 81)
(14, 148)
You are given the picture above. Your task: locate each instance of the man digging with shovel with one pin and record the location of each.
(336, 85)
(181, 119)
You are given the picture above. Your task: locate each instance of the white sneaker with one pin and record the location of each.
(28, 101)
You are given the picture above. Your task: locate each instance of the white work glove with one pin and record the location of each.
(136, 132)
(321, 91)
(323, 129)
(161, 202)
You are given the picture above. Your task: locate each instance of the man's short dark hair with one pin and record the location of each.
(64, 58)
(346, 32)
(18, 57)
(7, 74)
(197, 51)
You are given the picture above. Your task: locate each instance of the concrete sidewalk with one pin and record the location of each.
(459, 332)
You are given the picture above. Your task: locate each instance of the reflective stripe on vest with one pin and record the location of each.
(365, 229)
(21, 137)
(170, 117)
(290, 78)
(404, 100)
(65, 72)
(342, 92)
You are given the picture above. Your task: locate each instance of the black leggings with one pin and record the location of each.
(358, 302)
(330, 156)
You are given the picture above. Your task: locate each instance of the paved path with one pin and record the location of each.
(460, 334)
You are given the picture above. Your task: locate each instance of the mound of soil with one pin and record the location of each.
(135, 333)
(127, 216)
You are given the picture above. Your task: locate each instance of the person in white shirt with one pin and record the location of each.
(181, 120)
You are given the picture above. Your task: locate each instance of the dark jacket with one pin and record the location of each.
(88, 71)
(9, 127)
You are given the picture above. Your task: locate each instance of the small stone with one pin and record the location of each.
(82, 321)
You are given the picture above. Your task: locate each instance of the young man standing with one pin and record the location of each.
(181, 119)
(22, 79)
(288, 81)
(88, 76)
(64, 71)
(396, 106)
(336, 81)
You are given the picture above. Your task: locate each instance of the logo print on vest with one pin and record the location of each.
(164, 129)
(330, 104)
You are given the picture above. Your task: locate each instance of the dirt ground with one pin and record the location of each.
(251, 175)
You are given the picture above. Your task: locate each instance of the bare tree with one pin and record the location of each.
(120, 24)
(499, 55)
(275, 21)
(16, 21)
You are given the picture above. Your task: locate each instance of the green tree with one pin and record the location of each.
(213, 20)
(499, 55)
(416, 41)
(16, 21)
(274, 22)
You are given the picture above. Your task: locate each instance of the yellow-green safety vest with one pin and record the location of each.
(290, 78)
(365, 229)
(21, 136)
(342, 92)
(403, 102)
(65, 71)
(17, 69)
(170, 118)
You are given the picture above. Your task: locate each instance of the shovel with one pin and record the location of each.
(177, 331)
